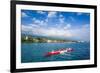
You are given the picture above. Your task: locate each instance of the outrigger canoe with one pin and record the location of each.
(61, 51)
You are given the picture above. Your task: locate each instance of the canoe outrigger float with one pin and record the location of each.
(61, 51)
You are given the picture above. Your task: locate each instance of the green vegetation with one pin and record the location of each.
(30, 39)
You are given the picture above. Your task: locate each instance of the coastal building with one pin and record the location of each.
(26, 38)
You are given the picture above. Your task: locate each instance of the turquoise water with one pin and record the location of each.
(35, 52)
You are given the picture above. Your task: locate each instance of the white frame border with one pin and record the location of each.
(20, 65)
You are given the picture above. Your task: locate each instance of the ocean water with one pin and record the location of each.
(35, 52)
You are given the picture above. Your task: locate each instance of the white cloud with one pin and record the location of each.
(39, 22)
(29, 27)
(24, 14)
(61, 20)
(86, 26)
(26, 28)
(61, 16)
(41, 12)
(81, 33)
(50, 31)
(52, 14)
(34, 25)
(67, 26)
(58, 32)
(72, 18)
(79, 13)
(46, 20)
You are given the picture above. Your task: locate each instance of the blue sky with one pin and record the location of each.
(67, 25)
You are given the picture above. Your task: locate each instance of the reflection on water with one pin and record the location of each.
(35, 52)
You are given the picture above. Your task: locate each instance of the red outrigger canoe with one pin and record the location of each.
(61, 51)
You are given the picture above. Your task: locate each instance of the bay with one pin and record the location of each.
(35, 52)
